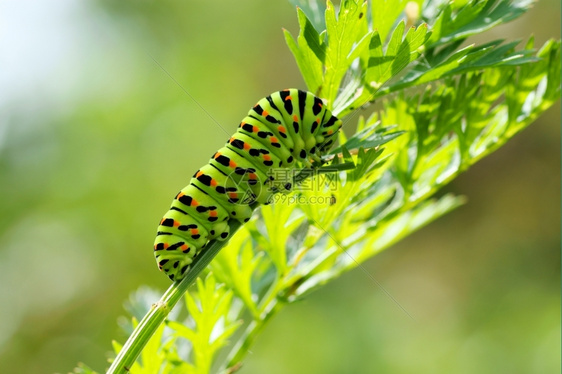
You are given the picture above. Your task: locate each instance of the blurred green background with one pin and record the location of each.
(95, 140)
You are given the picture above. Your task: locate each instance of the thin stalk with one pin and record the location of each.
(242, 348)
(159, 311)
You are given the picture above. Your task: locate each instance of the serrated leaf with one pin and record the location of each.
(365, 159)
(343, 32)
(475, 17)
(209, 325)
(385, 14)
(314, 9)
(278, 231)
(470, 58)
(370, 137)
(235, 266)
(382, 66)
(309, 52)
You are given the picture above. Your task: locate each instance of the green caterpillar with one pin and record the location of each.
(286, 128)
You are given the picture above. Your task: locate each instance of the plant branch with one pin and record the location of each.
(160, 310)
(255, 327)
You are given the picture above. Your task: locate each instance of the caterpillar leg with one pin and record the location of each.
(193, 203)
(245, 175)
(173, 255)
(225, 192)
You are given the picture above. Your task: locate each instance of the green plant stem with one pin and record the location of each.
(159, 311)
(247, 339)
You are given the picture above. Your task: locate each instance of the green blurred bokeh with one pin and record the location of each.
(96, 138)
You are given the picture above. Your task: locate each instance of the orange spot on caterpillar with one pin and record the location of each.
(295, 118)
(330, 132)
(232, 195)
(176, 223)
(247, 146)
(194, 231)
(281, 129)
(217, 154)
(267, 157)
(213, 213)
(265, 113)
(232, 164)
(288, 97)
(317, 120)
(184, 247)
(253, 176)
(199, 173)
(194, 202)
(214, 182)
(242, 124)
(274, 139)
(166, 245)
(255, 128)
